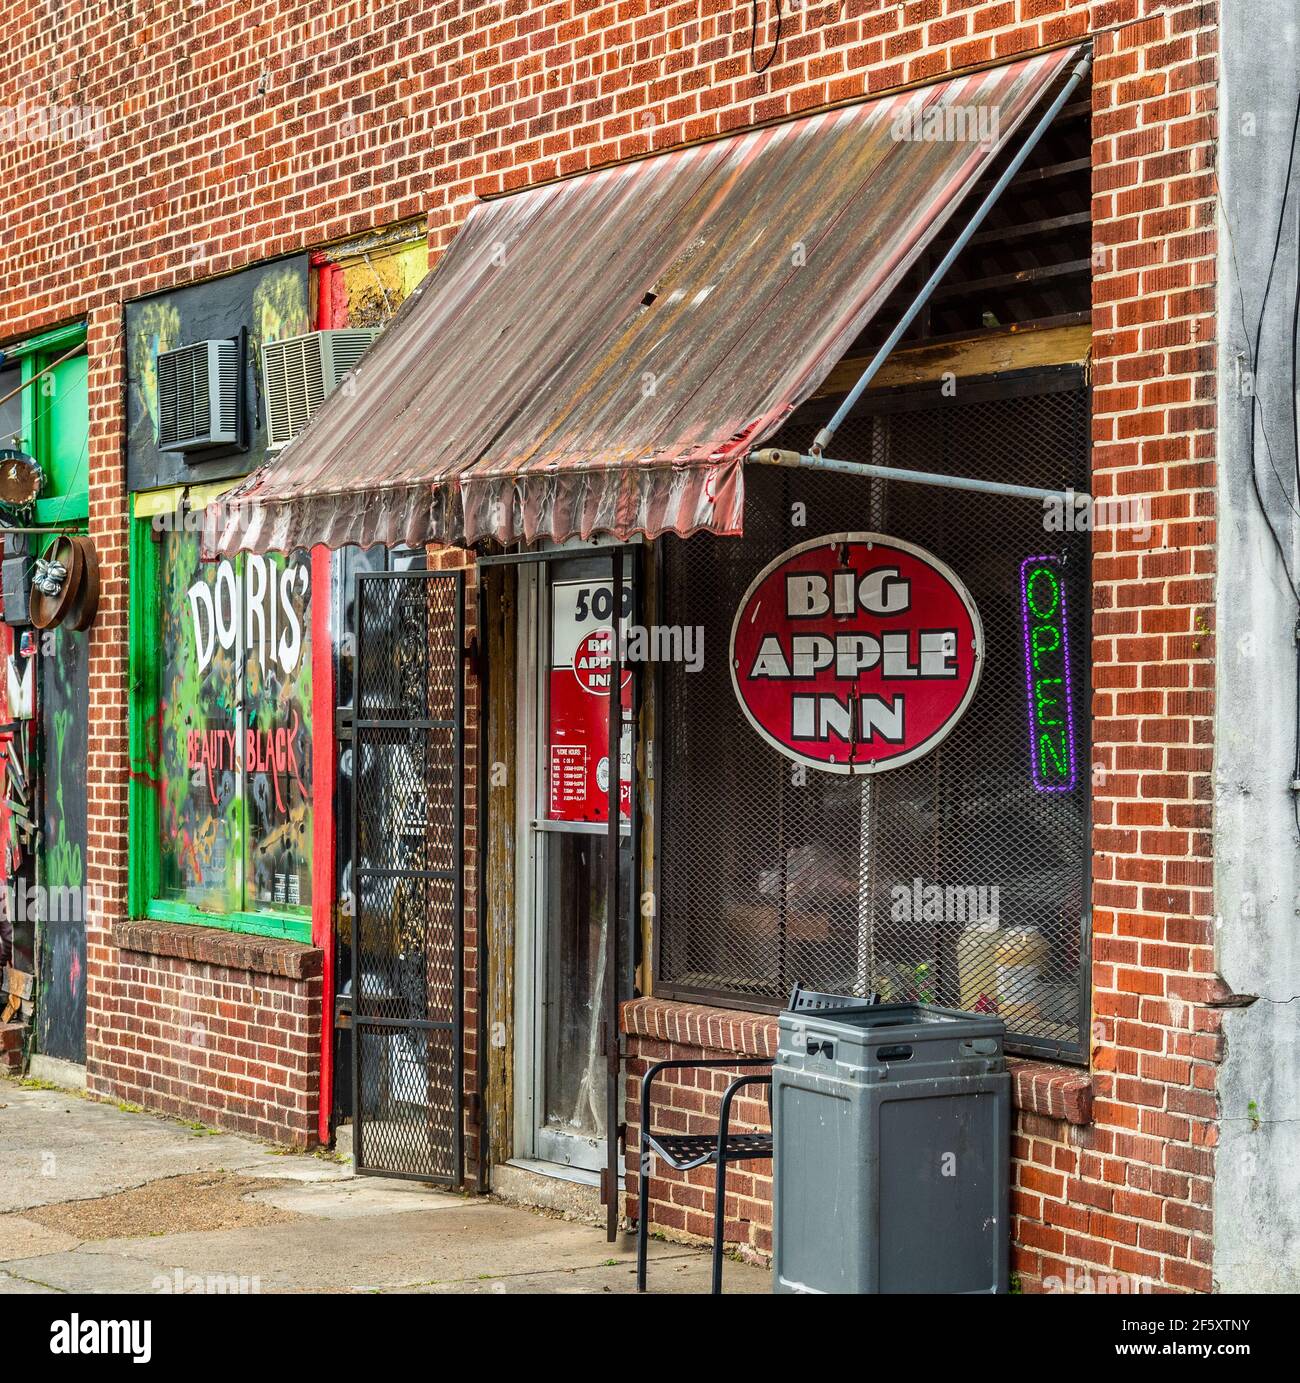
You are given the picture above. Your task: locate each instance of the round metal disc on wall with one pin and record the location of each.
(48, 611)
(21, 478)
(85, 603)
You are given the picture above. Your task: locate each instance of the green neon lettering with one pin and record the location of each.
(1053, 584)
(1045, 701)
(1047, 651)
(1038, 641)
(1056, 748)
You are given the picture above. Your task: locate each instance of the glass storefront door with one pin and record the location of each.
(567, 623)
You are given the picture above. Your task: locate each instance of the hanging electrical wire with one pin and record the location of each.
(1257, 412)
(7, 513)
(1295, 442)
(753, 39)
(78, 349)
(1259, 423)
(1295, 334)
(1257, 407)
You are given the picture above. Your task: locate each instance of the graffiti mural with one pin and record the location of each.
(17, 789)
(19, 806)
(235, 761)
(277, 738)
(271, 301)
(65, 696)
(199, 798)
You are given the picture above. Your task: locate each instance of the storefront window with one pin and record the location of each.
(234, 761)
(959, 878)
(277, 735)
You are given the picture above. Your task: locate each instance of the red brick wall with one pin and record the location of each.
(214, 1026)
(1125, 1196)
(239, 133)
(107, 758)
(1136, 1184)
(689, 1102)
(454, 559)
(1083, 1222)
(1086, 1214)
(1053, 1104)
(11, 1047)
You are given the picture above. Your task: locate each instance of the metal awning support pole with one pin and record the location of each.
(774, 456)
(823, 438)
(614, 788)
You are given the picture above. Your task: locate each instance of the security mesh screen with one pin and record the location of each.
(406, 873)
(958, 879)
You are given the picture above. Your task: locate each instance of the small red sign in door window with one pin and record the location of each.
(578, 714)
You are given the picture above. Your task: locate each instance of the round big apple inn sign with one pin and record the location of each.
(855, 653)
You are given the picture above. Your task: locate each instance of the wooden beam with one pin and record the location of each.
(1024, 228)
(986, 354)
(1040, 273)
(1048, 171)
(497, 929)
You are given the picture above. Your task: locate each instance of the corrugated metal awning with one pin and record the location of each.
(599, 354)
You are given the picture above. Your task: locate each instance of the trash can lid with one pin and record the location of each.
(882, 1017)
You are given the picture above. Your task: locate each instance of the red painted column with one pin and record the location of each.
(323, 816)
(331, 294)
(6, 648)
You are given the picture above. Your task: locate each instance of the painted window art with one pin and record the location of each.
(235, 815)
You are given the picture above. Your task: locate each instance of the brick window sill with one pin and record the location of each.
(211, 946)
(1037, 1087)
(1056, 1092)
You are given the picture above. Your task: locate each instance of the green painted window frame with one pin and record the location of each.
(57, 340)
(143, 881)
(34, 355)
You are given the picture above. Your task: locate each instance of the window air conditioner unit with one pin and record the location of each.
(300, 372)
(200, 396)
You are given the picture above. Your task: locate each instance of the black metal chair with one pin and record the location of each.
(684, 1151)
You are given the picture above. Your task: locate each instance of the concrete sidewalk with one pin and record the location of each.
(97, 1198)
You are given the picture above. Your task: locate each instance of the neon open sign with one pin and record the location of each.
(1047, 674)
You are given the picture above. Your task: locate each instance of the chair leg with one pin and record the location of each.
(643, 1178)
(719, 1223)
(642, 1219)
(720, 1186)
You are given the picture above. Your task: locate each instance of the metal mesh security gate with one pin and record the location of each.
(407, 874)
(959, 879)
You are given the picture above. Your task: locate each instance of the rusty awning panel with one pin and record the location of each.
(598, 355)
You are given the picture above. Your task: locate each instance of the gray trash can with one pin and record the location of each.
(892, 1129)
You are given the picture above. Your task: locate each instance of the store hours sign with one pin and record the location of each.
(855, 652)
(581, 663)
